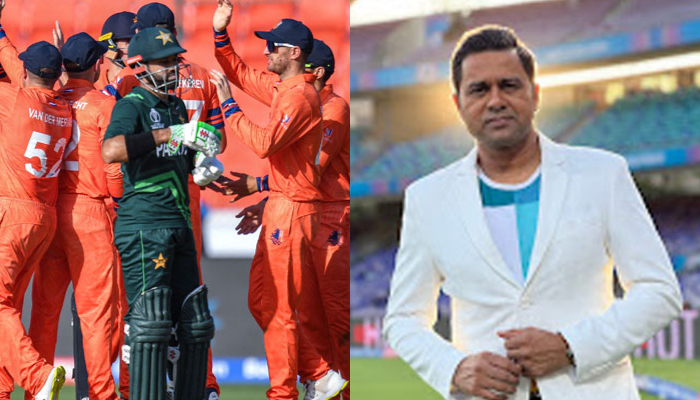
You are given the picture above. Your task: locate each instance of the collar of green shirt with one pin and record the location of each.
(149, 98)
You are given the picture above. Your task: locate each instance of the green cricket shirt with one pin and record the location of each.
(155, 184)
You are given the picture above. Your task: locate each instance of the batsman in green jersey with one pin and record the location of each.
(149, 134)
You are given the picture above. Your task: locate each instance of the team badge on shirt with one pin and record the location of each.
(285, 121)
(335, 238)
(155, 115)
(276, 237)
(160, 261)
(327, 134)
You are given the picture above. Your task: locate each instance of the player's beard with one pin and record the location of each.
(277, 64)
(163, 81)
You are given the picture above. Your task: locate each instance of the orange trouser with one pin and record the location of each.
(82, 252)
(26, 230)
(327, 336)
(282, 262)
(122, 304)
(196, 218)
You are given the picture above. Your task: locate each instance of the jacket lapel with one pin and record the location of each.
(552, 195)
(467, 201)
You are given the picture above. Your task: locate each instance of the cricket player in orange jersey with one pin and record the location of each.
(35, 127)
(82, 250)
(116, 34)
(331, 246)
(322, 339)
(291, 142)
(117, 31)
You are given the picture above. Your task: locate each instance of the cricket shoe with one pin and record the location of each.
(53, 384)
(211, 394)
(326, 387)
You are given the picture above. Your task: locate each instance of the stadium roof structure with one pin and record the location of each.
(563, 35)
(367, 12)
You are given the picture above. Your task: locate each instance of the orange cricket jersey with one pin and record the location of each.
(35, 128)
(200, 97)
(292, 139)
(84, 171)
(202, 102)
(335, 149)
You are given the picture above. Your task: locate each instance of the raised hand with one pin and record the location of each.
(222, 15)
(58, 40)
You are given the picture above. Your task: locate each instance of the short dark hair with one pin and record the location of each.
(488, 38)
(47, 82)
(328, 72)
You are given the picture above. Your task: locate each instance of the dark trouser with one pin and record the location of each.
(160, 264)
(158, 257)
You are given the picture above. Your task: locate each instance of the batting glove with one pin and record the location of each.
(206, 169)
(196, 135)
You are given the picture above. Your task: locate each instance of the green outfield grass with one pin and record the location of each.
(252, 392)
(377, 379)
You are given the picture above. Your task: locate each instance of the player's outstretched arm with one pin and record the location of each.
(264, 141)
(242, 187)
(254, 82)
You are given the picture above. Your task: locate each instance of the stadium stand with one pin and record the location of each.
(410, 160)
(657, 121)
(557, 122)
(418, 157)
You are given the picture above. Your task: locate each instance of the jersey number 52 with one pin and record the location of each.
(34, 151)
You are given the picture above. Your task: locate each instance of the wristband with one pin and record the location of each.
(264, 184)
(259, 181)
(221, 39)
(139, 144)
(230, 107)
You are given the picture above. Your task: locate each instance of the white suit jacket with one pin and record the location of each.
(591, 216)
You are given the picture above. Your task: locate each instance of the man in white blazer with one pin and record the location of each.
(523, 234)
